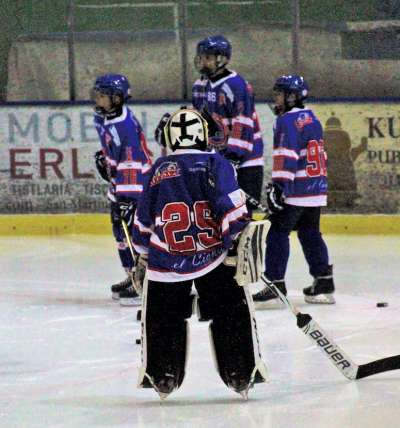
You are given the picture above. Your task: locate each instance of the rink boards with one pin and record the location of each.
(99, 224)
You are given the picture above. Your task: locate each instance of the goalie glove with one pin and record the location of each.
(275, 197)
(159, 131)
(140, 272)
(101, 165)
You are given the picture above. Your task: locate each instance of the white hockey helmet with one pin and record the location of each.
(186, 129)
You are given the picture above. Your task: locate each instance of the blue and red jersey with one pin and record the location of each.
(299, 158)
(125, 149)
(230, 100)
(189, 215)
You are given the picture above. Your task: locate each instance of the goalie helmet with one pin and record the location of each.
(292, 84)
(186, 129)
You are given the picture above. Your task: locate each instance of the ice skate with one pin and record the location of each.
(267, 299)
(322, 289)
(120, 286)
(129, 297)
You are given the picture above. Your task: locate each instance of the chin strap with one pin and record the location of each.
(115, 111)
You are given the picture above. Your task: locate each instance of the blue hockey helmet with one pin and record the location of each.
(292, 84)
(215, 45)
(113, 84)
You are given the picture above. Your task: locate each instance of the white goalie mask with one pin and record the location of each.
(186, 129)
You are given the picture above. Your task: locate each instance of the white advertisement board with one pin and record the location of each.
(46, 156)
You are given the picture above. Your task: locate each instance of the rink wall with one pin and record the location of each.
(99, 224)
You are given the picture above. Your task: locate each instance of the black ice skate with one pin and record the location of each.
(129, 297)
(266, 298)
(322, 289)
(120, 286)
(165, 386)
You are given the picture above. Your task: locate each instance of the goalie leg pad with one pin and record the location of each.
(235, 345)
(164, 335)
(233, 330)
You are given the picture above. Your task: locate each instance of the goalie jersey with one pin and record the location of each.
(190, 212)
(124, 147)
(299, 158)
(230, 100)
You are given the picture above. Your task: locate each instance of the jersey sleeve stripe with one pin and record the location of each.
(243, 120)
(283, 174)
(285, 153)
(129, 188)
(245, 145)
(237, 198)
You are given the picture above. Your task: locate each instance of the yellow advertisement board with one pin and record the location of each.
(362, 141)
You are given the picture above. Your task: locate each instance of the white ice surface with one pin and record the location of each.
(68, 356)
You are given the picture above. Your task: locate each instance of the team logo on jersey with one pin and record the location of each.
(164, 171)
(303, 120)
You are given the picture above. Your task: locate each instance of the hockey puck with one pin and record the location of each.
(382, 304)
(138, 341)
(139, 315)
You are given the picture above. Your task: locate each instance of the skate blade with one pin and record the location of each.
(269, 304)
(244, 394)
(321, 299)
(115, 296)
(136, 301)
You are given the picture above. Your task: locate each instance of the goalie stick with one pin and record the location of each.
(336, 355)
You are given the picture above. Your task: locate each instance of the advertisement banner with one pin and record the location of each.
(362, 141)
(46, 156)
(47, 165)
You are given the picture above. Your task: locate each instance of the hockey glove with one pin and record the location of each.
(275, 197)
(140, 271)
(123, 210)
(101, 165)
(159, 132)
(127, 210)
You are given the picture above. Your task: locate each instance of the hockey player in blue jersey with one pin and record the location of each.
(228, 98)
(190, 215)
(296, 195)
(123, 161)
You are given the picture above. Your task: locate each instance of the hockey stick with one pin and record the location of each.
(134, 256)
(336, 355)
(128, 238)
(255, 202)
